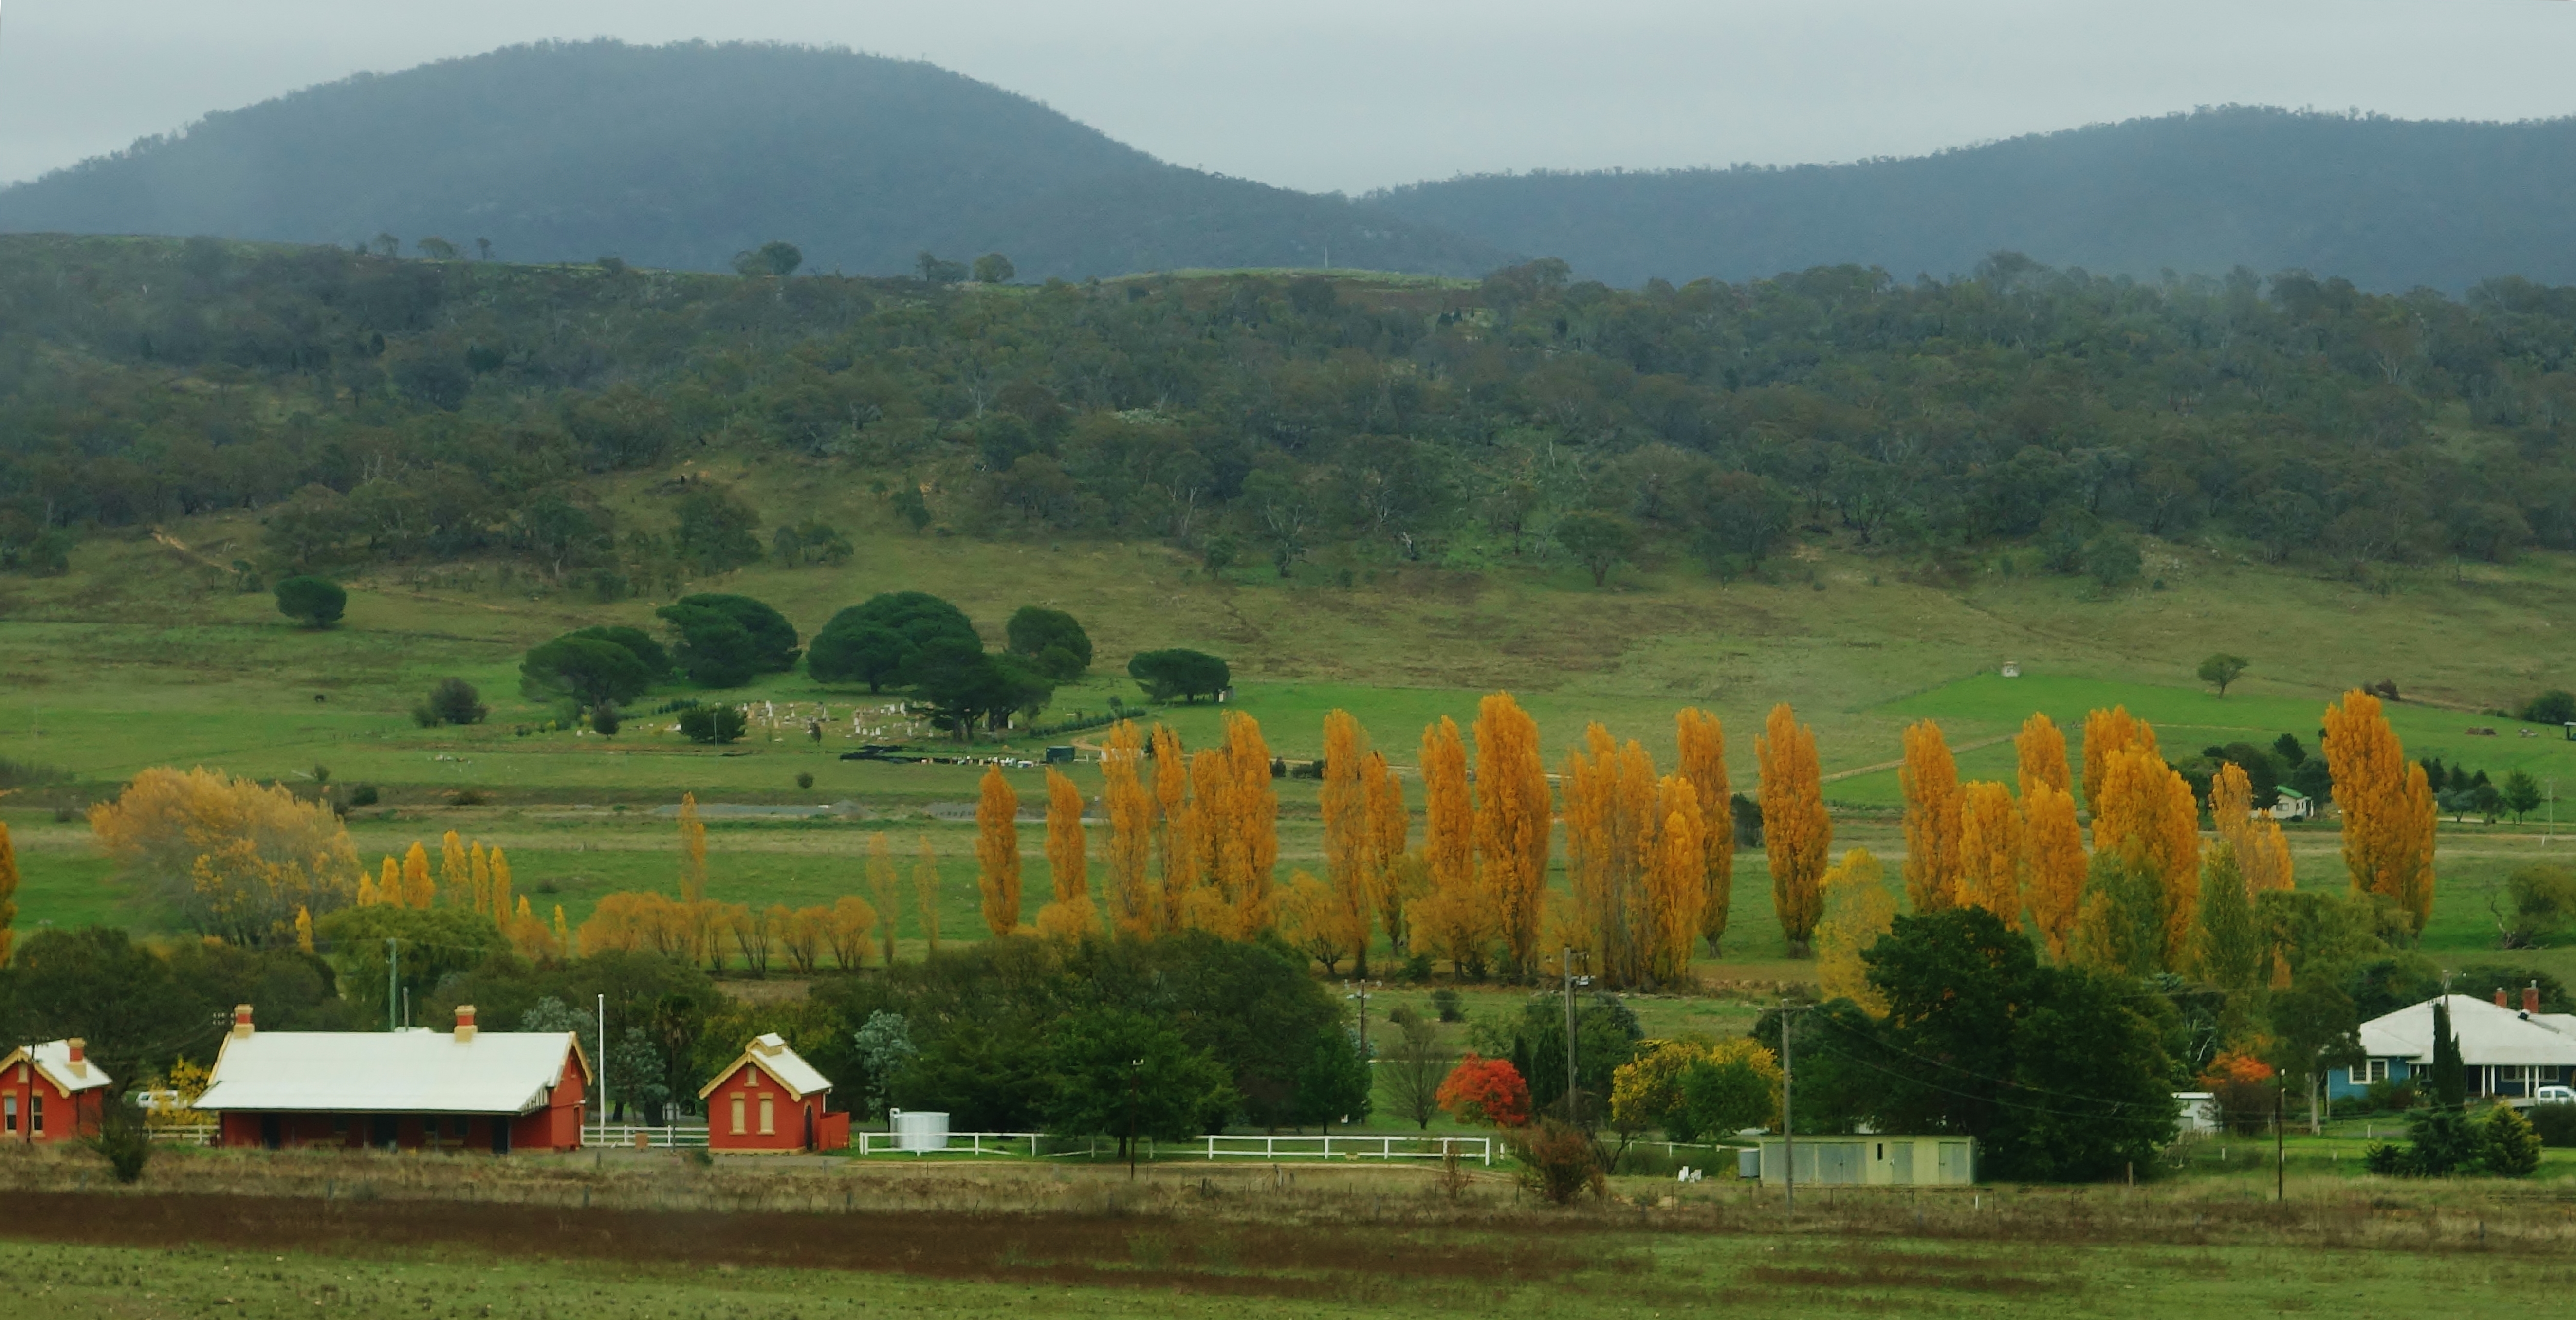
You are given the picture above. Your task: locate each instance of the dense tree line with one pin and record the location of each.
(385, 411)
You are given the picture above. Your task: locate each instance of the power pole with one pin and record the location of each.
(393, 975)
(2280, 1153)
(1788, 1120)
(601, 1063)
(1571, 1030)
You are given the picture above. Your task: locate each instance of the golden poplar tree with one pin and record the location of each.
(419, 891)
(1796, 832)
(1348, 842)
(1857, 910)
(1208, 905)
(925, 888)
(1390, 833)
(455, 869)
(1930, 780)
(1455, 920)
(499, 887)
(1070, 916)
(1703, 762)
(1513, 823)
(563, 931)
(1675, 882)
(693, 851)
(481, 870)
(389, 884)
(8, 894)
(2146, 809)
(367, 895)
(2107, 732)
(2388, 808)
(997, 852)
(887, 887)
(2041, 749)
(1252, 826)
(2055, 847)
(1134, 907)
(1176, 830)
(2261, 851)
(303, 932)
(1990, 851)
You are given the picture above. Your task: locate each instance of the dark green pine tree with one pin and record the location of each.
(2450, 1080)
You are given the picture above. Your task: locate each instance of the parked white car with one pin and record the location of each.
(2554, 1095)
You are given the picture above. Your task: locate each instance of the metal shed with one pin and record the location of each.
(1874, 1161)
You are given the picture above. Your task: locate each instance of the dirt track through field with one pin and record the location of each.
(1058, 1249)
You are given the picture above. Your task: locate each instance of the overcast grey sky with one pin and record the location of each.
(1356, 94)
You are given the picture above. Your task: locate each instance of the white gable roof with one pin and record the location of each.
(402, 1072)
(2487, 1034)
(771, 1055)
(54, 1060)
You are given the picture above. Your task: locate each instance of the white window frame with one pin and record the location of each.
(2368, 1071)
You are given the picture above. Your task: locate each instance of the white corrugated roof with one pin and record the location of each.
(771, 1055)
(54, 1060)
(2487, 1034)
(404, 1072)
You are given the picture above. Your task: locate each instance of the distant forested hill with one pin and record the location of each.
(379, 412)
(2388, 204)
(681, 156)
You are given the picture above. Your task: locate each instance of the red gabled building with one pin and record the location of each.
(771, 1100)
(51, 1092)
(410, 1090)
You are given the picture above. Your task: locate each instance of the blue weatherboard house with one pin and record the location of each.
(2506, 1053)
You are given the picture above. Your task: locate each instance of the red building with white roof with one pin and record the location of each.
(412, 1090)
(50, 1092)
(771, 1100)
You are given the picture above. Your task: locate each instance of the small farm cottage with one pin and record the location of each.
(1873, 1161)
(50, 1092)
(770, 1099)
(2507, 1051)
(412, 1090)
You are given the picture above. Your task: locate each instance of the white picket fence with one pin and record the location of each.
(1480, 1149)
(624, 1135)
(977, 1143)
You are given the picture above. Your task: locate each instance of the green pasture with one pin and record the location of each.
(1639, 1272)
(144, 655)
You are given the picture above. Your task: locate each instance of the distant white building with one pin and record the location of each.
(2292, 805)
(2506, 1053)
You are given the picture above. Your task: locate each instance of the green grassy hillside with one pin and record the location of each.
(142, 655)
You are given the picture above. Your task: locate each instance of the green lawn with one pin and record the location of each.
(1638, 1272)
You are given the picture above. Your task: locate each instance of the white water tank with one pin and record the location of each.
(917, 1131)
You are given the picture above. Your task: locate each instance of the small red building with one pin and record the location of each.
(410, 1090)
(771, 1100)
(50, 1092)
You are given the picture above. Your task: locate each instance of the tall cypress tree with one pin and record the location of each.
(2450, 1080)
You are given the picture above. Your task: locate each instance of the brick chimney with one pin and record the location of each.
(2531, 998)
(241, 1021)
(464, 1023)
(2500, 997)
(80, 1056)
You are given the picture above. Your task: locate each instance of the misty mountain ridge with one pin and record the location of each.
(682, 156)
(2389, 204)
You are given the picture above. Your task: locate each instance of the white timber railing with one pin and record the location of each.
(975, 1143)
(184, 1134)
(1480, 1149)
(641, 1136)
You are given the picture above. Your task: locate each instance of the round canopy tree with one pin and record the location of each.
(1179, 673)
(312, 601)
